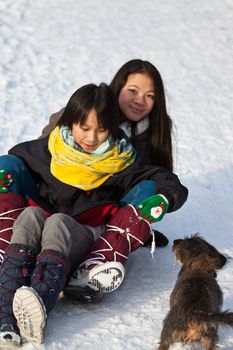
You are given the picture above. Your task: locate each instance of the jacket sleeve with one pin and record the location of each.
(53, 120)
(171, 187)
(166, 183)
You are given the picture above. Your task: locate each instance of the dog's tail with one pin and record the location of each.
(220, 317)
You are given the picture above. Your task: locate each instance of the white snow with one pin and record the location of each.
(48, 50)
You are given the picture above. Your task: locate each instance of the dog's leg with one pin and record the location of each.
(209, 341)
(165, 340)
(171, 332)
(163, 346)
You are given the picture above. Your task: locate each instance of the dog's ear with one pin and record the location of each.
(221, 261)
(206, 264)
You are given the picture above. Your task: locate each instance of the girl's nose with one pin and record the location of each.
(140, 99)
(92, 136)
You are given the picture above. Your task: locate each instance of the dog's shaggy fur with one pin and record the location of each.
(196, 300)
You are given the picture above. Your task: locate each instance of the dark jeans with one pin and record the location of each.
(138, 193)
(22, 184)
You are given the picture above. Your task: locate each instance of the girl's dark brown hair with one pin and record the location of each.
(160, 123)
(100, 98)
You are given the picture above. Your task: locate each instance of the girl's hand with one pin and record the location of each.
(6, 180)
(153, 208)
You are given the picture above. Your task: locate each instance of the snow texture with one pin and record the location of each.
(48, 50)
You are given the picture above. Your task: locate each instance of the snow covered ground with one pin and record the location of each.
(48, 50)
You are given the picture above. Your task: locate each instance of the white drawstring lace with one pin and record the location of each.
(100, 258)
(126, 232)
(3, 217)
(153, 245)
(152, 250)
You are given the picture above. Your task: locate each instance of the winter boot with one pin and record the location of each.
(15, 272)
(31, 305)
(11, 205)
(102, 269)
(160, 240)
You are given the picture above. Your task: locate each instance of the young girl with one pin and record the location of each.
(78, 171)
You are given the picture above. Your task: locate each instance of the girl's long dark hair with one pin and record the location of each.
(160, 123)
(88, 97)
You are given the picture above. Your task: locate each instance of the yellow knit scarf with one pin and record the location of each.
(83, 170)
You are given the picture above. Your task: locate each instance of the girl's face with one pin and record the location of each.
(136, 98)
(89, 135)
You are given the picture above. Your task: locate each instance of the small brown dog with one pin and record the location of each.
(196, 300)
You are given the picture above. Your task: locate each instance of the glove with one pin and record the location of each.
(6, 180)
(153, 208)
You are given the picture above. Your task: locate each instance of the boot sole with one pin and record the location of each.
(106, 277)
(29, 310)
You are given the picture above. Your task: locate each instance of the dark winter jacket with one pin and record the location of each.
(60, 197)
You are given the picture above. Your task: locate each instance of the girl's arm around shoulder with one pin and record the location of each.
(53, 120)
(172, 188)
(166, 182)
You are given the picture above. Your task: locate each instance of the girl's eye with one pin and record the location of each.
(133, 91)
(151, 96)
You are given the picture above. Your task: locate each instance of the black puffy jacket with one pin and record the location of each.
(57, 196)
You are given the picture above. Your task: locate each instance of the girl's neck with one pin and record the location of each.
(140, 126)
